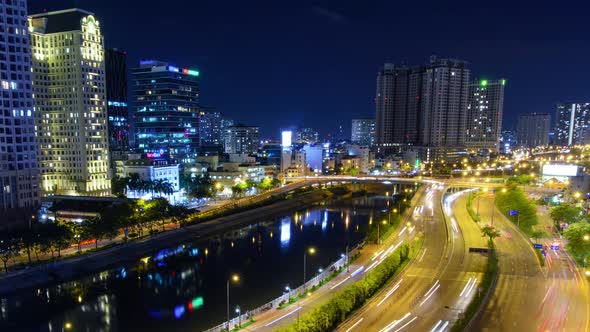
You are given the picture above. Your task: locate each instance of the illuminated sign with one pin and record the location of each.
(560, 170)
(173, 69)
(190, 72)
(286, 140)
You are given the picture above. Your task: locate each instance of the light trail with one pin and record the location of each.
(406, 324)
(422, 256)
(390, 292)
(465, 288)
(394, 323)
(430, 292)
(402, 231)
(286, 315)
(471, 288)
(354, 325)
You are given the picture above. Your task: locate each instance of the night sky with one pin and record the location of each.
(310, 63)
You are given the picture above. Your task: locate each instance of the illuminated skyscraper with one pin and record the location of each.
(572, 124)
(533, 129)
(422, 105)
(70, 97)
(363, 132)
(117, 110)
(241, 139)
(484, 114)
(19, 175)
(166, 110)
(210, 128)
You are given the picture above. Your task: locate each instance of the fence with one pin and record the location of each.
(233, 323)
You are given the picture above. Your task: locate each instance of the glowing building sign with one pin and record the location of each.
(287, 139)
(560, 170)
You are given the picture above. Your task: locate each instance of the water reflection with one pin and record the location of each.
(182, 288)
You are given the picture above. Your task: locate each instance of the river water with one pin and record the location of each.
(183, 288)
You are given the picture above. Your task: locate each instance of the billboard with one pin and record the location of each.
(560, 170)
(286, 139)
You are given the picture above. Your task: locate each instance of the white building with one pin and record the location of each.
(69, 92)
(314, 157)
(152, 170)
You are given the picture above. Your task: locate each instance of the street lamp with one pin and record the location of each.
(239, 316)
(311, 251)
(234, 278)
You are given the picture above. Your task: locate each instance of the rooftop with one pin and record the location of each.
(62, 20)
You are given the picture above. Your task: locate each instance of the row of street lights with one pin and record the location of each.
(236, 278)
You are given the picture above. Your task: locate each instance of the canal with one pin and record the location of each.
(183, 288)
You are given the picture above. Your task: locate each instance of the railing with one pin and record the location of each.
(243, 318)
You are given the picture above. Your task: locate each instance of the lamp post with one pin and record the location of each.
(311, 251)
(239, 316)
(234, 278)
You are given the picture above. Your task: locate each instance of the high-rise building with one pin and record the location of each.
(117, 110)
(210, 128)
(507, 141)
(398, 105)
(166, 110)
(424, 105)
(445, 87)
(307, 135)
(70, 98)
(533, 129)
(363, 132)
(572, 124)
(241, 139)
(484, 114)
(19, 175)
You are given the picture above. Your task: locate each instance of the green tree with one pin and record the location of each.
(265, 184)
(565, 213)
(119, 186)
(98, 229)
(491, 233)
(61, 237)
(578, 237)
(9, 249)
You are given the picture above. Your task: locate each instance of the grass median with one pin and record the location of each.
(486, 287)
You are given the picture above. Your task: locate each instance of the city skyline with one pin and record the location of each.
(510, 49)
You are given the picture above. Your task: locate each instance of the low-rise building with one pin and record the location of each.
(153, 170)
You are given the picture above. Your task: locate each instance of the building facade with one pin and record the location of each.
(422, 105)
(572, 124)
(307, 135)
(533, 129)
(70, 99)
(210, 128)
(166, 110)
(19, 173)
(484, 114)
(116, 93)
(398, 106)
(241, 139)
(445, 88)
(363, 132)
(154, 170)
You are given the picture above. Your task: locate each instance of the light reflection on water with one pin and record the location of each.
(182, 288)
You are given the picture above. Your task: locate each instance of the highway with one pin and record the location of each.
(528, 297)
(431, 294)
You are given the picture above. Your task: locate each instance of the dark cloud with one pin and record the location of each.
(332, 15)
